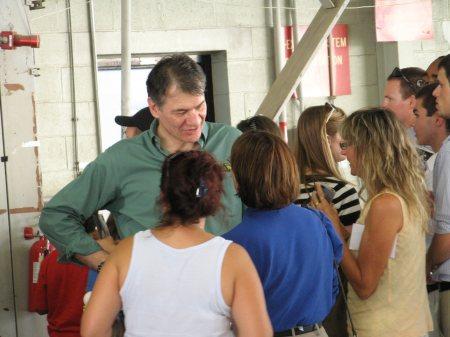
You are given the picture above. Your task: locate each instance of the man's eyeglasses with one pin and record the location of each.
(415, 87)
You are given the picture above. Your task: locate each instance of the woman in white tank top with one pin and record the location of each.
(176, 279)
(386, 271)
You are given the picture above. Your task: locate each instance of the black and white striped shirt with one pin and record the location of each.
(345, 200)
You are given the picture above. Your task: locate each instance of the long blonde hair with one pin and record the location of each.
(313, 150)
(387, 159)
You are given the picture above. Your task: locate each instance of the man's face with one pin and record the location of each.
(424, 124)
(442, 94)
(393, 101)
(181, 118)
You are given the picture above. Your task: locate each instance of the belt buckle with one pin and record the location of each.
(300, 328)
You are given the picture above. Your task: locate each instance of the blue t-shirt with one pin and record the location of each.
(293, 250)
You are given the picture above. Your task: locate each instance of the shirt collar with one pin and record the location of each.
(157, 141)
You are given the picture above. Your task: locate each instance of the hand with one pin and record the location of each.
(107, 244)
(318, 201)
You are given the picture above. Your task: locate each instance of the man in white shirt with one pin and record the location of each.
(439, 253)
(430, 130)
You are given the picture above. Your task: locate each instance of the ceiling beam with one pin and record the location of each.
(289, 77)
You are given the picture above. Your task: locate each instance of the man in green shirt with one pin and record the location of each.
(125, 178)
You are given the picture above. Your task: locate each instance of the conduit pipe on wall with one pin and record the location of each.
(76, 161)
(126, 55)
(98, 131)
(279, 59)
(296, 40)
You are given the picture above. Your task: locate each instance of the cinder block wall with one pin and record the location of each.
(236, 32)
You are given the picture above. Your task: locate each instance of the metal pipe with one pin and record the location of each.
(296, 40)
(76, 162)
(126, 55)
(279, 59)
(98, 130)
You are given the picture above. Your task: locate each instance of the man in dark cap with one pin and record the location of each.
(136, 124)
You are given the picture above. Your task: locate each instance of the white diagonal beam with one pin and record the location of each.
(289, 78)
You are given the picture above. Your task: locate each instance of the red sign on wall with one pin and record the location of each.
(317, 80)
(340, 61)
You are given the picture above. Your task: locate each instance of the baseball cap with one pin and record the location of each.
(141, 119)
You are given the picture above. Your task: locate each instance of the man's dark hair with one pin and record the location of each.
(179, 70)
(445, 64)
(428, 100)
(411, 80)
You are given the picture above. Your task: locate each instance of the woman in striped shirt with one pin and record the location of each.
(318, 151)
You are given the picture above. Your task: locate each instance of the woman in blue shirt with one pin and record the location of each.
(293, 248)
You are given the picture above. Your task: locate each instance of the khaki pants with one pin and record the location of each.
(433, 299)
(444, 309)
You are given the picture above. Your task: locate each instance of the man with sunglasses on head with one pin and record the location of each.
(400, 92)
(125, 178)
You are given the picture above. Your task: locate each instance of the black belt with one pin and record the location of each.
(444, 286)
(432, 287)
(298, 330)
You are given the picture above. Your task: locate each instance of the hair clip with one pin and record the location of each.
(201, 189)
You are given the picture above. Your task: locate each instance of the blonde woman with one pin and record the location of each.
(319, 149)
(387, 296)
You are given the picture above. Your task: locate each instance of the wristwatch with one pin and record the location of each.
(100, 266)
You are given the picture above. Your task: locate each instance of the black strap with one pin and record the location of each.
(344, 295)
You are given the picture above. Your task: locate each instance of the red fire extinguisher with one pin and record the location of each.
(38, 251)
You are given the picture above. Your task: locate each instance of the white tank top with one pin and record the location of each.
(172, 292)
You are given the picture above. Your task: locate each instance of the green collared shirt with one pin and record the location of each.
(125, 180)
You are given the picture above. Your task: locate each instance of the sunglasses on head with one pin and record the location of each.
(332, 109)
(415, 87)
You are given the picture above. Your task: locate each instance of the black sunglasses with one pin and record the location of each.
(415, 87)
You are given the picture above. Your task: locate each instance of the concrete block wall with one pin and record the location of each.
(422, 53)
(416, 53)
(237, 33)
(53, 94)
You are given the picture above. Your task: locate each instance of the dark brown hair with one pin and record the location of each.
(445, 64)
(179, 70)
(428, 100)
(259, 123)
(265, 170)
(191, 187)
